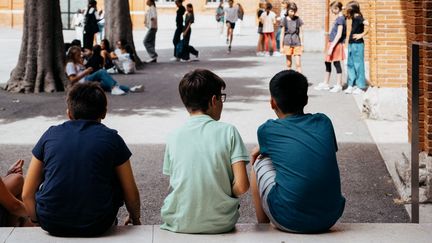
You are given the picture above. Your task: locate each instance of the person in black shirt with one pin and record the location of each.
(179, 26)
(188, 49)
(356, 70)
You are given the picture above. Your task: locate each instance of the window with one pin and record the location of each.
(68, 8)
(164, 1)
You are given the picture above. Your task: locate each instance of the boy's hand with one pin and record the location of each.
(16, 168)
(254, 154)
(129, 220)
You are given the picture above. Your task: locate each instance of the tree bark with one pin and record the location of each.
(118, 24)
(40, 65)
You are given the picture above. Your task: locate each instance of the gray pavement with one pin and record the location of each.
(144, 119)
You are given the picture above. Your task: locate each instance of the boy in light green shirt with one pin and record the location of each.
(206, 161)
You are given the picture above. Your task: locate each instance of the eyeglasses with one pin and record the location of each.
(223, 97)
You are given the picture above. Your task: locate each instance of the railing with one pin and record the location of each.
(415, 93)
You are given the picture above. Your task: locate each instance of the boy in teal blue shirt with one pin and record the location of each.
(295, 178)
(206, 162)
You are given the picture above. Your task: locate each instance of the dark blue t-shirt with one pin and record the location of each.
(307, 195)
(340, 20)
(79, 185)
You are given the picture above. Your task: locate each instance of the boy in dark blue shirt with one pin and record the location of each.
(80, 171)
(295, 177)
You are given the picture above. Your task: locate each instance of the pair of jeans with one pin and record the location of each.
(105, 79)
(188, 49)
(356, 69)
(176, 39)
(150, 42)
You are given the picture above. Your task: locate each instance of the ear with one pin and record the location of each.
(273, 103)
(103, 115)
(213, 100)
(69, 114)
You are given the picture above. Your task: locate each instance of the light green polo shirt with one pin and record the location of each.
(198, 159)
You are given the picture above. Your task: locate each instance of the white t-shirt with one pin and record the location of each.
(75, 69)
(231, 14)
(151, 14)
(268, 21)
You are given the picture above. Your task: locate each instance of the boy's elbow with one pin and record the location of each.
(242, 188)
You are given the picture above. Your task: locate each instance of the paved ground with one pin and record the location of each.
(144, 119)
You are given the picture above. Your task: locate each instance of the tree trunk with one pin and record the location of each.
(118, 24)
(40, 65)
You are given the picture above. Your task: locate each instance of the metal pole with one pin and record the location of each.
(415, 57)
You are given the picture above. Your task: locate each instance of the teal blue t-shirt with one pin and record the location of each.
(198, 159)
(307, 194)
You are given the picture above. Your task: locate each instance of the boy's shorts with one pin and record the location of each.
(293, 50)
(265, 177)
(231, 24)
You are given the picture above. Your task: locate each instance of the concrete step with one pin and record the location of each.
(244, 233)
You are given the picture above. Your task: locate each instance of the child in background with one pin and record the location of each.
(335, 50)
(356, 69)
(268, 19)
(292, 37)
(206, 162)
(260, 45)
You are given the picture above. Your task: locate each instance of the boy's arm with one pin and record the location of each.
(241, 180)
(130, 192)
(31, 185)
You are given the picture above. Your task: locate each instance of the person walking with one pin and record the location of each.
(179, 27)
(268, 18)
(188, 49)
(151, 23)
(220, 18)
(231, 17)
(292, 37)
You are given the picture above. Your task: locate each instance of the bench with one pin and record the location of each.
(247, 233)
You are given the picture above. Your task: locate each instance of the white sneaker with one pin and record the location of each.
(260, 54)
(117, 91)
(322, 86)
(174, 59)
(357, 91)
(137, 88)
(337, 88)
(277, 54)
(267, 54)
(112, 70)
(183, 60)
(151, 60)
(349, 90)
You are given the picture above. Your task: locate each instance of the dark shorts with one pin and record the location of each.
(231, 24)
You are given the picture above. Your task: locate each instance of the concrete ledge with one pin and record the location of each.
(244, 233)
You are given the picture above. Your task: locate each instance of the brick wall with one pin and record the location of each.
(419, 22)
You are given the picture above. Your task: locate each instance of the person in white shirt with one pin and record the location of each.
(151, 23)
(268, 19)
(231, 17)
(78, 23)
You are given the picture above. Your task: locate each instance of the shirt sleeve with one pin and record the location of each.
(70, 69)
(262, 140)
(166, 170)
(340, 21)
(153, 13)
(238, 149)
(122, 153)
(39, 149)
(301, 23)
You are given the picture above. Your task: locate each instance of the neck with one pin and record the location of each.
(281, 115)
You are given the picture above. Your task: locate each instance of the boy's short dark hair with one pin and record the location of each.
(198, 87)
(87, 101)
(292, 6)
(289, 89)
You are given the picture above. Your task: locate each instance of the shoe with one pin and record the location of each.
(337, 88)
(117, 91)
(174, 59)
(349, 90)
(183, 60)
(112, 70)
(357, 91)
(260, 54)
(137, 88)
(277, 54)
(151, 60)
(322, 86)
(267, 54)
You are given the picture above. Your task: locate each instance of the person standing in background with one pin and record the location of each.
(91, 26)
(231, 17)
(179, 27)
(220, 18)
(151, 23)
